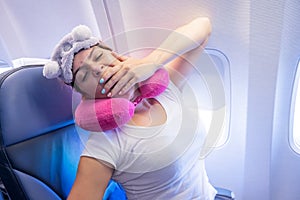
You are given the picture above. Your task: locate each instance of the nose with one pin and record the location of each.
(97, 70)
(96, 73)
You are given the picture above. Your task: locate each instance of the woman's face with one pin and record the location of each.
(88, 66)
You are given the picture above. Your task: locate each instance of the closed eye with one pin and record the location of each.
(85, 75)
(98, 56)
(84, 69)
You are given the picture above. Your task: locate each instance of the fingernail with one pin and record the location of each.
(103, 91)
(101, 80)
(120, 93)
(109, 94)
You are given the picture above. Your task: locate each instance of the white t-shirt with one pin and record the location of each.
(159, 162)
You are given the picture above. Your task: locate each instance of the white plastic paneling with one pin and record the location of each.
(32, 28)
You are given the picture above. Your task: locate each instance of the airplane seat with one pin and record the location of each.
(40, 144)
(224, 194)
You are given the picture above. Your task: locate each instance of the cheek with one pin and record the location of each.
(90, 88)
(93, 89)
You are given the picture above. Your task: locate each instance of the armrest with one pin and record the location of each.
(224, 194)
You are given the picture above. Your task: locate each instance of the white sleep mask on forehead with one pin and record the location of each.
(62, 57)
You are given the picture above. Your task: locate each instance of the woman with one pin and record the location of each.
(149, 156)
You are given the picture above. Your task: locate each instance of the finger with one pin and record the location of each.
(115, 90)
(126, 87)
(109, 72)
(115, 78)
(123, 86)
(119, 57)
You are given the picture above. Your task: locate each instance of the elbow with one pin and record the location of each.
(207, 25)
(204, 24)
(204, 29)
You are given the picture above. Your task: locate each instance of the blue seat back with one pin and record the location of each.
(40, 145)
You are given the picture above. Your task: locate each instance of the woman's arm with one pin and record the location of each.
(181, 41)
(191, 40)
(91, 179)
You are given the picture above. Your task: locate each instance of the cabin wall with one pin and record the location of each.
(285, 161)
(32, 28)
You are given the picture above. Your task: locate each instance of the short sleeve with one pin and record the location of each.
(102, 146)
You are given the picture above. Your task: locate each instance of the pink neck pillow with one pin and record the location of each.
(107, 114)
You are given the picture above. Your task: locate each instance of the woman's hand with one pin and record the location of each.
(120, 78)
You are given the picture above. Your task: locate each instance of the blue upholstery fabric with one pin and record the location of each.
(114, 191)
(40, 144)
(32, 105)
(50, 158)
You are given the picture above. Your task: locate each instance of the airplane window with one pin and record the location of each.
(295, 113)
(219, 114)
(212, 88)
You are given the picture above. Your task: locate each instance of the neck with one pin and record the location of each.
(148, 113)
(143, 106)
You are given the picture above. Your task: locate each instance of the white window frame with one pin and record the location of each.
(222, 64)
(294, 135)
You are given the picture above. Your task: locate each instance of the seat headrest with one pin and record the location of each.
(31, 105)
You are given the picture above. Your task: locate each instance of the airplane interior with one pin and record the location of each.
(246, 89)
